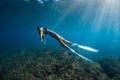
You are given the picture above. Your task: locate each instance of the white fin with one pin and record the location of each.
(85, 47)
(79, 54)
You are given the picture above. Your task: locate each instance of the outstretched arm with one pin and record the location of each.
(41, 34)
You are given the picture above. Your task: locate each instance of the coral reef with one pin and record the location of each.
(111, 66)
(49, 64)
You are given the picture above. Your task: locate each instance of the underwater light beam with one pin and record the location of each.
(67, 10)
(40, 1)
(108, 11)
(28, 1)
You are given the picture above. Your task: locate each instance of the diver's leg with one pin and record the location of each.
(63, 44)
(66, 41)
(72, 50)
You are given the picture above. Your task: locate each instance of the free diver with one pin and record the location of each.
(44, 31)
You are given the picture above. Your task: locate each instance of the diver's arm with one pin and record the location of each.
(42, 36)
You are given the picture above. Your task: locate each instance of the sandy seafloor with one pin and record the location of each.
(55, 64)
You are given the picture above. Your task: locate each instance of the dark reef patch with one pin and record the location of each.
(111, 67)
(55, 64)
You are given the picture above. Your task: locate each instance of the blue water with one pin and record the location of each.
(93, 23)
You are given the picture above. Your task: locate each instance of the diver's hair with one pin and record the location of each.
(45, 29)
(38, 28)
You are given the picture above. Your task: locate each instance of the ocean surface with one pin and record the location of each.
(91, 23)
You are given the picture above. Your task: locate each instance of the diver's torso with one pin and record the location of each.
(53, 34)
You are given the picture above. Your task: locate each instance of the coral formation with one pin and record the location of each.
(111, 66)
(49, 64)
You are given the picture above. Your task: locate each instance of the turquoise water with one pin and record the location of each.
(92, 23)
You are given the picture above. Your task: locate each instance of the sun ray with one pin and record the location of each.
(69, 9)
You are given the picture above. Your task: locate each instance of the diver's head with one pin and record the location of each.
(40, 28)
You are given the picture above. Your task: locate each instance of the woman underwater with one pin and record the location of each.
(44, 31)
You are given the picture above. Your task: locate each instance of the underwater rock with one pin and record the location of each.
(49, 64)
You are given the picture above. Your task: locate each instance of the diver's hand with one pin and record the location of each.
(42, 40)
